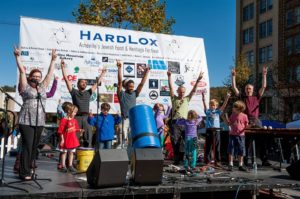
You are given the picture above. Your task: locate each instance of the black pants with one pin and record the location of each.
(177, 140)
(210, 134)
(88, 133)
(29, 147)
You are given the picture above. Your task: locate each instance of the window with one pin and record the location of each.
(297, 44)
(248, 12)
(250, 57)
(265, 29)
(266, 105)
(289, 46)
(289, 74)
(297, 15)
(265, 5)
(289, 18)
(248, 36)
(265, 54)
(297, 73)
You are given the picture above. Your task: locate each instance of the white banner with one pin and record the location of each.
(86, 49)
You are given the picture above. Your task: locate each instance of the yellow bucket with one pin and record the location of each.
(84, 158)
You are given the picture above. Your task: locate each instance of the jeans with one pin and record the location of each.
(105, 144)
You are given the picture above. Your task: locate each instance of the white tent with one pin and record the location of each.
(293, 125)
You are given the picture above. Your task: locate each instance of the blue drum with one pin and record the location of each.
(143, 128)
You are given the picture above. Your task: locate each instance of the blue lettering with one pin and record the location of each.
(109, 37)
(143, 41)
(131, 42)
(121, 39)
(88, 35)
(153, 42)
(97, 36)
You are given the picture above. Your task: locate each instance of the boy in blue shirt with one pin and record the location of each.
(106, 126)
(213, 121)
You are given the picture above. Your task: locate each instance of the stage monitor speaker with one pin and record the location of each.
(294, 170)
(147, 166)
(108, 168)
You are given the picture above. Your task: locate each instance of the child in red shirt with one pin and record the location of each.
(238, 122)
(68, 141)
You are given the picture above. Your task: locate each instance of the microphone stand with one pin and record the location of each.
(97, 122)
(34, 147)
(6, 134)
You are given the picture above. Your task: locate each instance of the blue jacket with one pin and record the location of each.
(106, 126)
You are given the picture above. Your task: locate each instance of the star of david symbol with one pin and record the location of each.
(129, 69)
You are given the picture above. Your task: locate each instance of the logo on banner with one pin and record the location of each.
(153, 95)
(107, 60)
(164, 88)
(200, 84)
(106, 98)
(179, 80)
(157, 64)
(140, 71)
(129, 70)
(110, 88)
(174, 46)
(24, 53)
(174, 67)
(60, 35)
(153, 83)
(93, 62)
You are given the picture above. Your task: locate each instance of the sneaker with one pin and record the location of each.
(59, 166)
(242, 168)
(63, 169)
(230, 167)
(72, 169)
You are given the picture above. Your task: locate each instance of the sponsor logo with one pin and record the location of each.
(24, 53)
(60, 35)
(140, 72)
(107, 60)
(110, 88)
(200, 84)
(165, 100)
(72, 78)
(129, 70)
(174, 67)
(93, 62)
(179, 80)
(157, 64)
(95, 36)
(164, 89)
(153, 95)
(153, 83)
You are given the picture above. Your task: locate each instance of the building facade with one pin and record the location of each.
(268, 34)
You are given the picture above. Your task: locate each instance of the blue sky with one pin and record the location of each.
(212, 20)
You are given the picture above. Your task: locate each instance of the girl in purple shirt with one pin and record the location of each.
(160, 116)
(190, 124)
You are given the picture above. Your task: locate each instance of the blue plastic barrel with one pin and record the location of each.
(143, 128)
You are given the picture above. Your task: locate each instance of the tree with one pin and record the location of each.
(243, 74)
(7, 88)
(141, 15)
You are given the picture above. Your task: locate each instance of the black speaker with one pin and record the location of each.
(108, 168)
(294, 170)
(147, 166)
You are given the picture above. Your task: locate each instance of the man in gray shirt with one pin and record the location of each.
(127, 98)
(81, 98)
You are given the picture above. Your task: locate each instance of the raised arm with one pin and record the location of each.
(225, 102)
(234, 88)
(141, 84)
(170, 84)
(63, 70)
(204, 104)
(119, 65)
(47, 79)
(100, 78)
(196, 84)
(264, 81)
(22, 74)
(53, 88)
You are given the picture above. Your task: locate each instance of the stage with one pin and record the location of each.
(174, 185)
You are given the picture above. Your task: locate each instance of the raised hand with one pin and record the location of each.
(233, 72)
(17, 51)
(62, 63)
(200, 76)
(147, 69)
(265, 70)
(169, 73)
(119, 64)
(53, 55)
